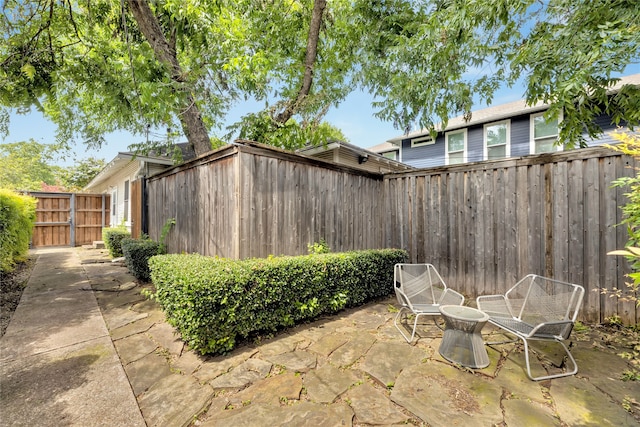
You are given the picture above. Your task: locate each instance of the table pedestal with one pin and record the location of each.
(462, 340)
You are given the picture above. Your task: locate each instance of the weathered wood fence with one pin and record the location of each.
(247, 201)
(483, 225)
(486, 225)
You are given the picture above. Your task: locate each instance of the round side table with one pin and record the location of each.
(462, 339)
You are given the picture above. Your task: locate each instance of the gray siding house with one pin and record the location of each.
(508, 130)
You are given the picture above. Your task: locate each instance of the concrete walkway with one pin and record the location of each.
(67, 362)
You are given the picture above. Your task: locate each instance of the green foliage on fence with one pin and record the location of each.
(215, 303)
(136, 256)
(17, 219)
(113, 238)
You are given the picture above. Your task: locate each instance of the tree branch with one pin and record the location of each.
(309, 61)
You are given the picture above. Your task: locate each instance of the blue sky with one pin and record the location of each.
(355, 116)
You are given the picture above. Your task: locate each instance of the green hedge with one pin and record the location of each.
(215, 303)
(136, 256)
(17, 219)
(112, 238)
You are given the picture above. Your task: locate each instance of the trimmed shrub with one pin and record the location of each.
(112, 238)
(215, 303)
(17, 219)
(136, 256)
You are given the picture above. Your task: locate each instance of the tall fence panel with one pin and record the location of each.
(248, 201)
(488, 224)
(287, 202)
(202, 198)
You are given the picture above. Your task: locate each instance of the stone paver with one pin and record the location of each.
(579, 403)
(271, 390)
(350, 368)
(301, 415)
(442, 395)
(297, 361)
(385, 360)
(174, 401)
(372, 406)
(146, 371)
(242, 375)
(354, 349)
(327, 382)
(522, 413)
(134, 347)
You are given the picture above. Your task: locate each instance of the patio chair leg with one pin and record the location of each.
(415, 325)
(547, 377)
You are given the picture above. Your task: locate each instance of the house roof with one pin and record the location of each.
(357, 151)
(502, 111)
(383, 148)
(122, 160)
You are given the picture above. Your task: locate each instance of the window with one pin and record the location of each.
(390, 155)
(544, 134)
(456, 143)
(423, 140)
(496, 140)
(114, 207)
(126, 200)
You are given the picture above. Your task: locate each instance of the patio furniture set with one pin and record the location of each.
(536, 308)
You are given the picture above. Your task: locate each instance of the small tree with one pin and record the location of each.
(629, 144)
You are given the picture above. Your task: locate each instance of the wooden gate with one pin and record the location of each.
(70, 219)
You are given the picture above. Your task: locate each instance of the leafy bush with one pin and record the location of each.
(112, 238)
(136, 256)
(317, 248)
(17, 219)
(214, 302)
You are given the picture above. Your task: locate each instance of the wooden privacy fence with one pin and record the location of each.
(483, 225)
(486, 225)
(249, 201)
(69, 219)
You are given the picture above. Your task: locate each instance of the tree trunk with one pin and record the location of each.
(309, 61)
(192, 124)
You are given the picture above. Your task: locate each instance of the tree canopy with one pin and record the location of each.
(29, 166)
(104, 65)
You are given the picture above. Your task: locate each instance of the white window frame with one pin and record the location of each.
(532, 141)
(422, 141)
(446, 145)
(114, 207)
(126, 201)
(386, 153)
(507, 151)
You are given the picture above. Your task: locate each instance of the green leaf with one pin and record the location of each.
(28, 70)
(621, 252)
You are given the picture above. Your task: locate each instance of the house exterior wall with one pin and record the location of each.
(116, 183)
(520, 142)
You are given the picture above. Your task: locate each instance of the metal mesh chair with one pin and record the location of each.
(536, 308)
(421, 291)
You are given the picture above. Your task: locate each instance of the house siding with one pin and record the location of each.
(520, 136)
(117, 182)
(520, 142)
(475, 150)
(604, 121)
(425, 156)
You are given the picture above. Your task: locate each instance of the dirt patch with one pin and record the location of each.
(11, 287)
